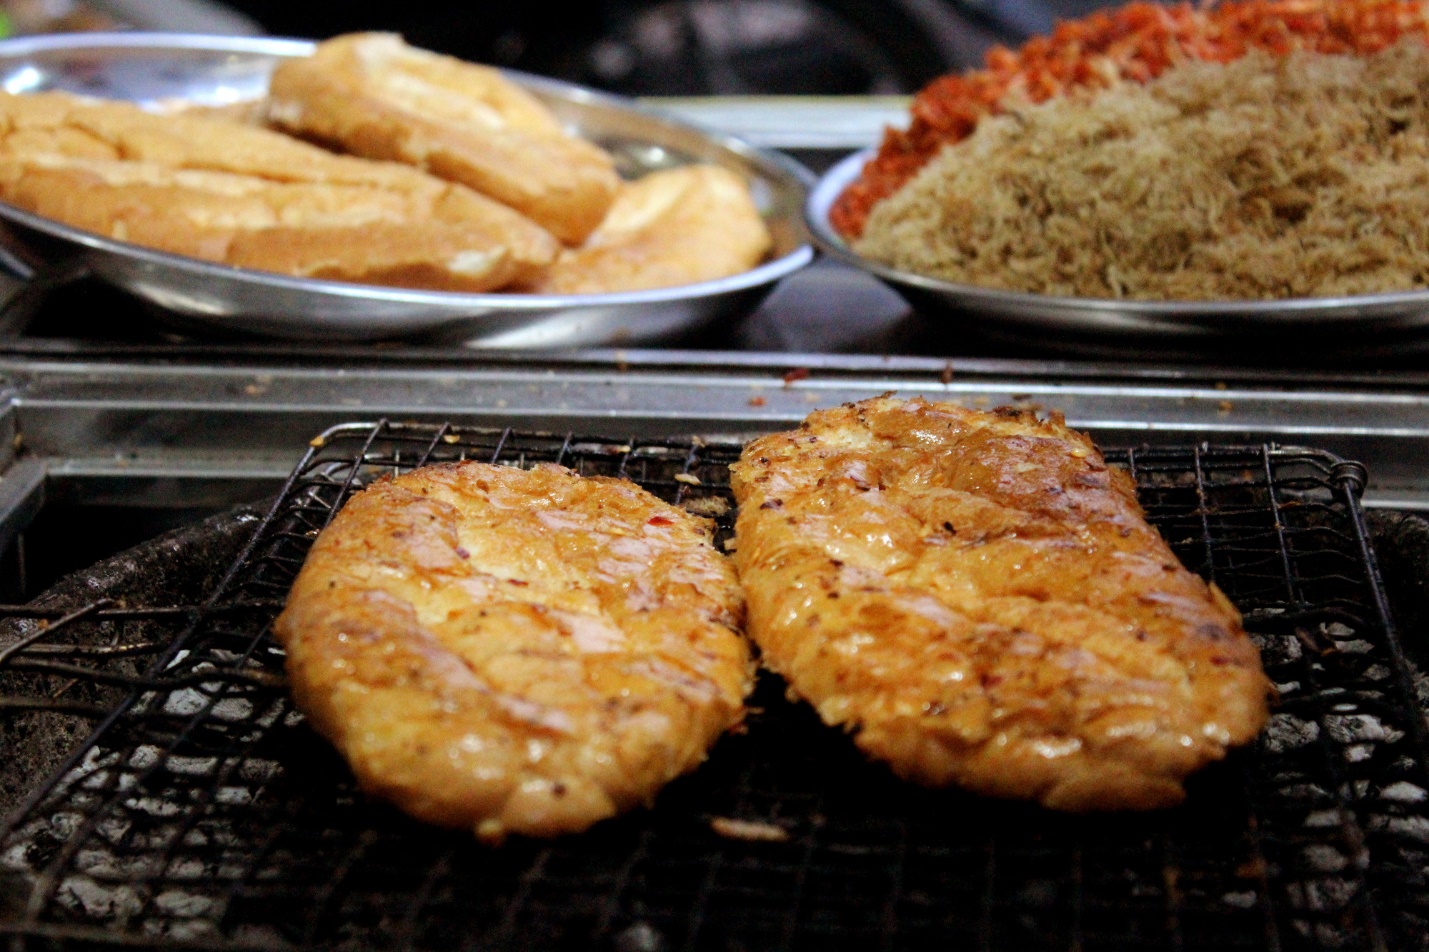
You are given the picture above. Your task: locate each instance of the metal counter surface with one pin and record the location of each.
(172, 432)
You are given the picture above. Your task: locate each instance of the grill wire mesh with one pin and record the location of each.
(202, 813)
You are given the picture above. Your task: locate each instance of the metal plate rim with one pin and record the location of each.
(769, 271)
(142, 40)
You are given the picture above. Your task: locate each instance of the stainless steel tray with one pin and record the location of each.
(1343, 323)
(215, 70)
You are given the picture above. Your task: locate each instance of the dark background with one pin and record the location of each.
(693, 47)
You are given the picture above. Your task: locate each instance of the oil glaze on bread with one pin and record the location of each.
(516, 652)
(979, 598)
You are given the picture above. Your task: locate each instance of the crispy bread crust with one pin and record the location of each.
(374, 96)
(515, 652)
(979, 597)
(255, 198)
(672, 227)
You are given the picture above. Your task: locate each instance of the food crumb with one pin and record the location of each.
(491, 831)
(757, 401)
(689, 479)
(1226, 406)
(754, 831)
(797, 374)
(710, 506)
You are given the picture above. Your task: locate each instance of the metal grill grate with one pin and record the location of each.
(202, 813)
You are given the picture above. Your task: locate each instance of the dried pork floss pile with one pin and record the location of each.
(1268, 177)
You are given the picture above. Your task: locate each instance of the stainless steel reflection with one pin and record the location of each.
(1343, 322)
(163, 431)
(157, 68)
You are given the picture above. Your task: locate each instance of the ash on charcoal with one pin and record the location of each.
(1286, 732)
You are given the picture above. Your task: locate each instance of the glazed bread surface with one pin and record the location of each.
(516, 651)
(979, 599)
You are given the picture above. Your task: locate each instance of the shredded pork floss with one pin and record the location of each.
(1301, 176)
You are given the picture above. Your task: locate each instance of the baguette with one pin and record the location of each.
(251, 197)
(677, 226)
(372, 95)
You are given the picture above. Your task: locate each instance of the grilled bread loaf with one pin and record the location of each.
(516, 652)
(980, 599)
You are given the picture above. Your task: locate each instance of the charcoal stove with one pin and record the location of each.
(197, 810)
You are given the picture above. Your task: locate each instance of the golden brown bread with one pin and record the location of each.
(374, 96)
(515, 652)
(255, 198)
(248, 112)
(673, 227)
(980, 599)
(227, 190)
(56, 123)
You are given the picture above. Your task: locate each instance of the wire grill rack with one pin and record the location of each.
(201, 812)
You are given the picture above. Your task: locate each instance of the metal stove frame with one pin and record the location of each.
(217, 424)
